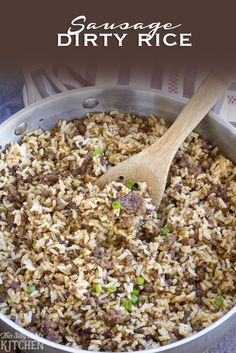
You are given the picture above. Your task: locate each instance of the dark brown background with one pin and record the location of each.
(28, 30)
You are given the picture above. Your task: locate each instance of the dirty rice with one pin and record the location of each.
(81, 270)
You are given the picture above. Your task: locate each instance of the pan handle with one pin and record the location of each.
(43, 82)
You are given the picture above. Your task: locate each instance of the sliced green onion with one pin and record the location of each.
(97, 152)
(31, 289)
(140, 280)
(127, 304)
(116, 205)
(112, 289)
(219, 302)
(134, 299)
(131, 185)
(98, 288)
(135, 292)
(165, 231)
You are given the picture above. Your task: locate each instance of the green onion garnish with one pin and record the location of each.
(165, 231)
(98, 288)
(97, 152)
(219, 302)
(134, 299)
(127, 304)
(131, 185)
(116, 205)
(112, 289)
(31, 288)
(140, 280)
(135, 292)
(134, 295)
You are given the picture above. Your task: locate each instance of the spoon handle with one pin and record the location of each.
(212, 88)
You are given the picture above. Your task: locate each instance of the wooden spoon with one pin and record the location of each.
(153, 163)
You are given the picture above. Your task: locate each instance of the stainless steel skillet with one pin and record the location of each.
(76, 104)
